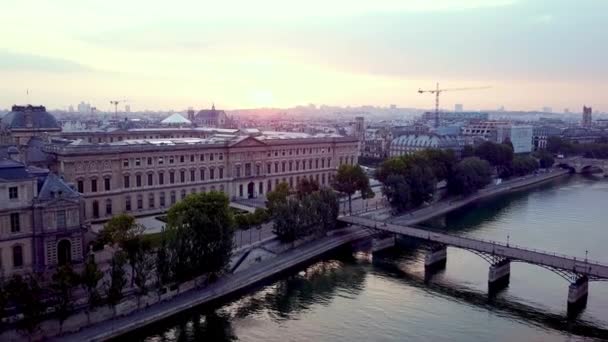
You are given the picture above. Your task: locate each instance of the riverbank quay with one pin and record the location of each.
(445, 206)
(223, 287)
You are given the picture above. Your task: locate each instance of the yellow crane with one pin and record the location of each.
(438, 91)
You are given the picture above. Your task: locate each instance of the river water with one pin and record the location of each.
(384, 297)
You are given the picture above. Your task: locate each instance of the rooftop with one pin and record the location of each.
(29, 117)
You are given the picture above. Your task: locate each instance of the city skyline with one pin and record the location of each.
(272, 54)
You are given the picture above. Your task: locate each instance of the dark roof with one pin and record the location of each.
(209, 113)
(29, 117)
(55, 187)
(13, 170)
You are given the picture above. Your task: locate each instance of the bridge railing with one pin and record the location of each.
(528, 249)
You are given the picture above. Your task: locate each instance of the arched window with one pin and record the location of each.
(17, 256)
(95, 209)
(108, 207)
(64, 252)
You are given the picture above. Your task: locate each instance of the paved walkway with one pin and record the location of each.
(226, 285)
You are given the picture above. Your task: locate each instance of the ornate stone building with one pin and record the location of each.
(40, 220)
(141, 176)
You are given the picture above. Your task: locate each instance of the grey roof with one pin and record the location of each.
(55, 187)
(13, 170)
(29, 117)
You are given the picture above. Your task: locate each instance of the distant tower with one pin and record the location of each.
(360, 132)
(587, 116)
(191, 114)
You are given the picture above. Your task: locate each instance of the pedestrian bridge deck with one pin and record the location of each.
(594, 270)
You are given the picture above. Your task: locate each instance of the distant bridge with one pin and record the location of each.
(582, 165)
(576, 270)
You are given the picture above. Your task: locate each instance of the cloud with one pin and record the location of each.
(14, 61)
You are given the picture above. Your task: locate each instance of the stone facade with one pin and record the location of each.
(148, 176)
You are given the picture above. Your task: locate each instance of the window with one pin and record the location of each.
(150, 179)
(283, 167)
(15, 224)
(108, 207)
(276, 167)
(171, 160)
(93, 185)
(290, 166)
(161, 178)
(316, 163)
(171, 177)
(125, 163)
(268, 168)
(322, 163)
(127, 181)
(162, 199)
(221, 176)
(172, 197)
(182, 176)
(257, 170)
(183, 193)
(203, 157)
(80, 186)
(140, 202)
(161, 161)
(149, 160)
(106, 184)
(128, 203)
(137, 162)
(13, 192)
(95, 209)
(269, 186)
(202, 174)
(17, 256)
(211, 156)
(221, 156)
(60, 219)
(238, 171)
(211, 173)
(138, 180)
(151, 201)
(181, 159)
(240, 190)
(247, 169)
(192, 176)
(261, 188)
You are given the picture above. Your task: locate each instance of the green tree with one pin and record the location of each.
(523, 165)
(545, 159)
(469, 175)
(350, 179)
(278, 195)
(118, 279)
(26, 295)
(164, 266)
(119, 229)
(143, 268)
(467, 151)
(202, 238)
(89, 279)
(440, 161)
(328, 208)
(306, 187)
(397, 191)
(288, 220)
(65, 280)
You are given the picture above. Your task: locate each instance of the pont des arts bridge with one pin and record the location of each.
(578, 272)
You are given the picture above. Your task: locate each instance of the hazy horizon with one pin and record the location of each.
(271, 53)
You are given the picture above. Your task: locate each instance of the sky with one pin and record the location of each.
(279, 53)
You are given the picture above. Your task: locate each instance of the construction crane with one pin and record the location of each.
(115, 103)
(438, 91)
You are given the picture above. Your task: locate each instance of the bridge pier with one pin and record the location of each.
(383, 242)
(498, 275)
(436, 258)
(577, 295)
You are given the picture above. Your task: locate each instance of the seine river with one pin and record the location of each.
(357, 297)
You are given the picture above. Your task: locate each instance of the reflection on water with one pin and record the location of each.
(385, 297)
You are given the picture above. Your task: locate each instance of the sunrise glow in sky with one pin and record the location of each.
(243, 53)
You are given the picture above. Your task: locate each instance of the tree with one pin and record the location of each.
(397, 191)
(65, 280)
(4, 297)
(143, 267)
(467, 151)
(278, 195)
(523, 165)
(469, 175)
(164, 266)
(202, 237)
(89, 279)
(306, 186)
(26, 295)
(440, 161)
(328, 208)
(288, 220)
(119, 229)
(118, 279)
(350, 179)
(545, 159)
